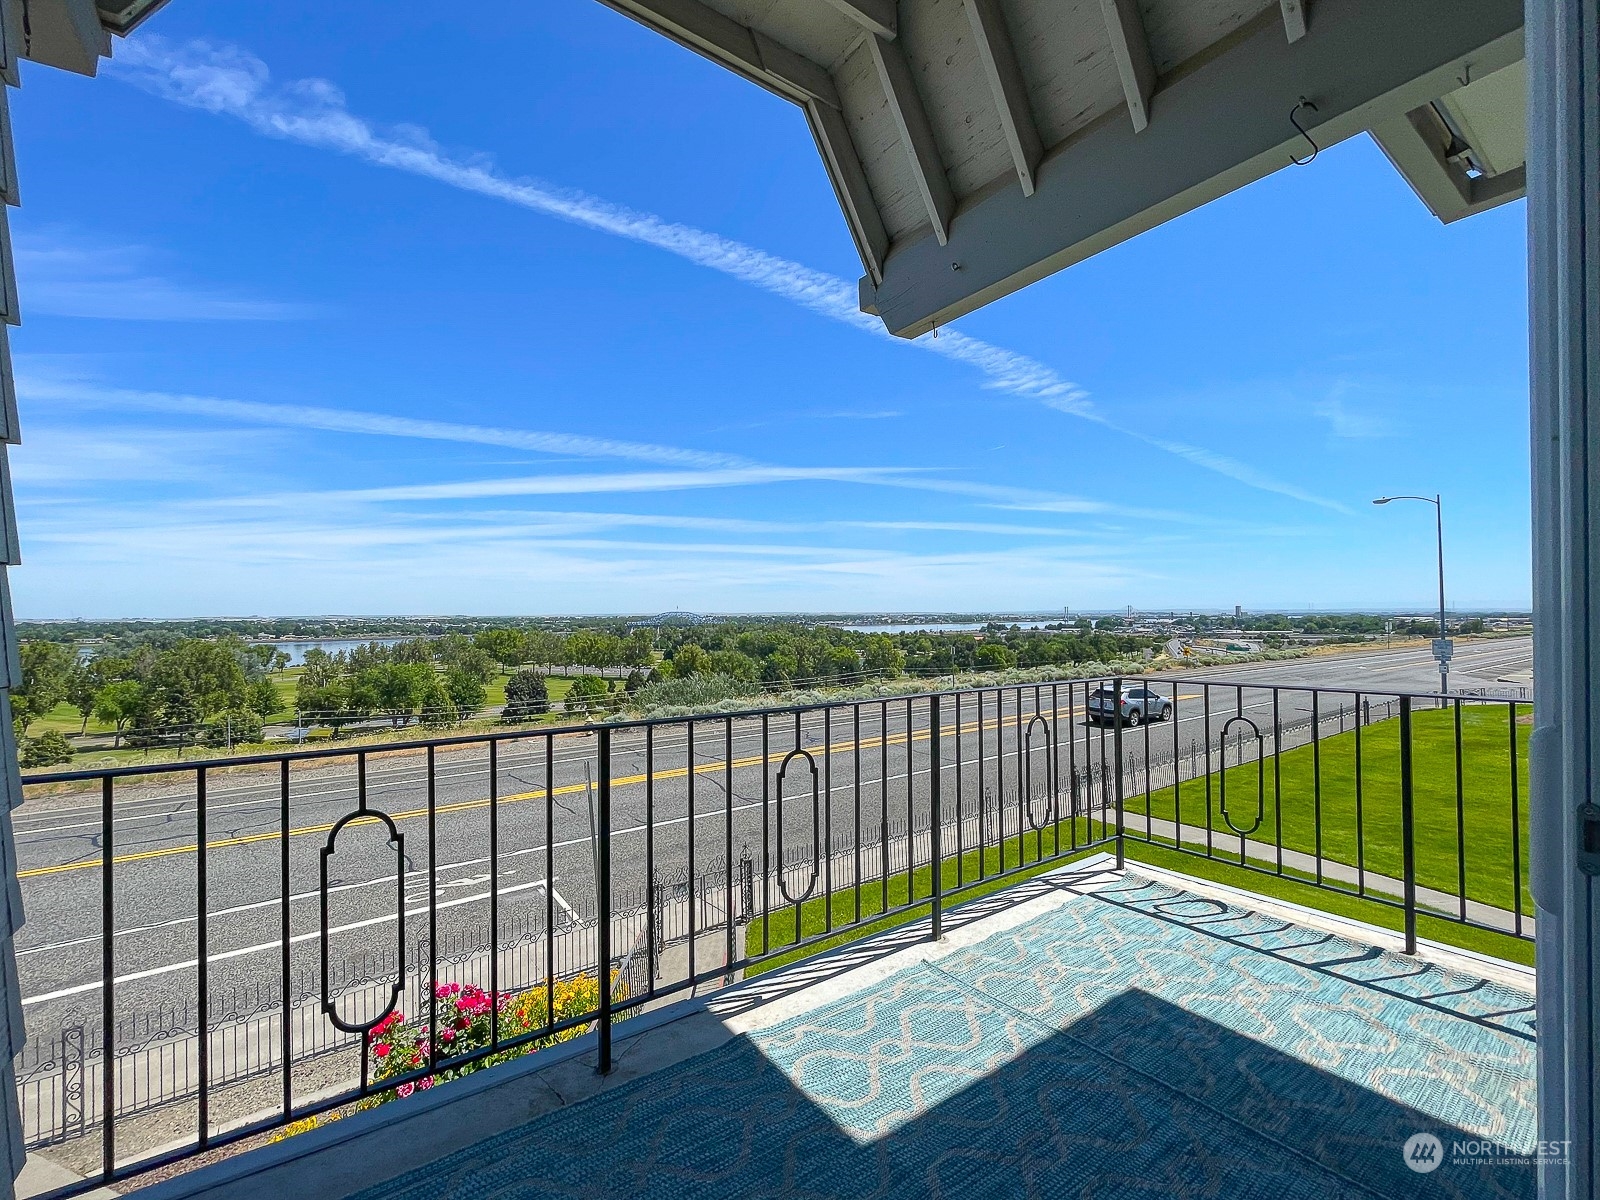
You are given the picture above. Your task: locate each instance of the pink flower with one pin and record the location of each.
(382, 1049)
(405, 1089)
(447, 1035)
(426, 1083)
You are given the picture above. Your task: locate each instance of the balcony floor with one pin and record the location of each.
(1110, 1035)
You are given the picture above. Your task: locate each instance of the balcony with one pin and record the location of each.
(1248, 940)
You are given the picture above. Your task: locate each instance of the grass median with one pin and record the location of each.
(1300, 784)
(1360, 812)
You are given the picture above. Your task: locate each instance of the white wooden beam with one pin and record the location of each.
(1131, 49)
(1223, 125)
(849, 180)
(882, 17)
(720, 38)
(1416, 144)
(66, 34)
(916, 135)
(999, 58)
(1294, 18)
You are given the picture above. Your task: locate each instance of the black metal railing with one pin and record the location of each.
(262, 940)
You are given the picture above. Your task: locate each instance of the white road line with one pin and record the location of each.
(261, 947)
(272, 902)
(567, 908)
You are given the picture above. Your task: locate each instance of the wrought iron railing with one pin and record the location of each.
(224, 942)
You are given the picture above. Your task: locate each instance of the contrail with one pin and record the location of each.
(305, 416)
(231, 81)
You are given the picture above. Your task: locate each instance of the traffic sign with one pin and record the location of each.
(1443, 649)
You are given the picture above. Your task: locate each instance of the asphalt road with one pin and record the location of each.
(527, 854)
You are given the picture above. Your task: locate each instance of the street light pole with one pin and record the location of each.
(1442, 650)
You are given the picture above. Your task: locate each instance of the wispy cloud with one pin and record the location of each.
(318, 561)
(67, 460)
(1242, 472)
(44, 387)
(229, 80)
(582, 485)
(67, 275)
(1345, 422)
(695, 469)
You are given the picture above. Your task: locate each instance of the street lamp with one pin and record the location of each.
(1441, 648)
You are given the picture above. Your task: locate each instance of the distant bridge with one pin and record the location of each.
(672, 618)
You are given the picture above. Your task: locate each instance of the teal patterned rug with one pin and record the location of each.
(1140, 1042)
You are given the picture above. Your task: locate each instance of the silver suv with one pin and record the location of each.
(1138, 704)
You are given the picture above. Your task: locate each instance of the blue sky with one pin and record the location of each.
(344, 308)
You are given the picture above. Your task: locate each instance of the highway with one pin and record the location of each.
(529, 854)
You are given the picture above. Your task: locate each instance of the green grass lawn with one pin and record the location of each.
(1486, 798)
(779, 929)
(1485, 804)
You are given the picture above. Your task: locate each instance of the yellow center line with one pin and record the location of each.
(921, 735)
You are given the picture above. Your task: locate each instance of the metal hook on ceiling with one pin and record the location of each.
(1294, 119)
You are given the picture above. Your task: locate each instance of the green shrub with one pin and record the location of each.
(589, 694)
(527, 696)
(693, 691)
(232, 728)
(46, 750)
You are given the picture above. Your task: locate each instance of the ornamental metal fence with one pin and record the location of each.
(216, 942)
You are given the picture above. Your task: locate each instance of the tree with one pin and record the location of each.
(466, 691)
(883, 657)
(588, 694)
(413, 650)
(545, 647)
(508, 647)
(995, 656)
(322, 701)
(638, 649)
(261, 660)
(397, 688)
(118, 703)
(594, 648)
(733, 664)
(436, 705)
(83, 683)
(691, 659)
(262, 698)
(843, 663)
(318, 668)
(193, 680)
(527, 695)
(46, 670)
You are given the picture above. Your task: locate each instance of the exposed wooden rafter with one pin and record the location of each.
(993, 42)
(722, 39)
(1294, 18)
(1220, 126)
(882, 17)
(849, 180)
(791, 75)
(1131, 49)
(916, 135)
